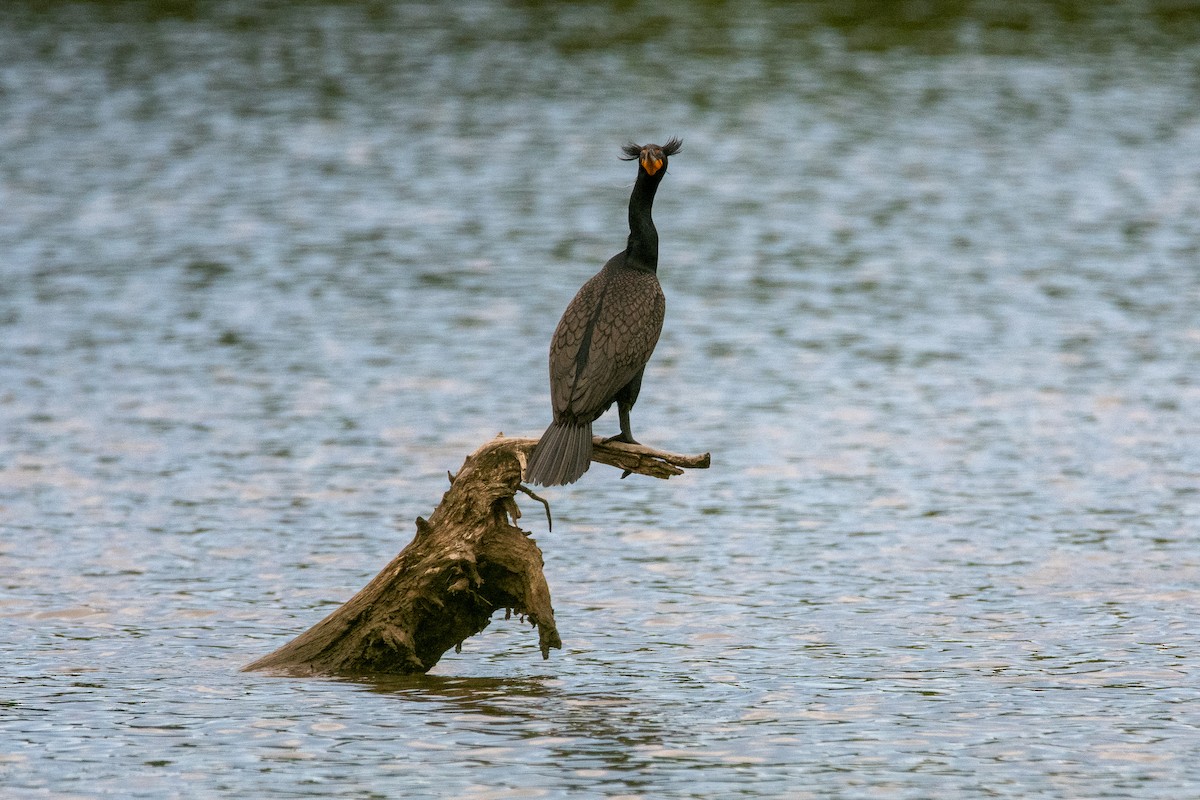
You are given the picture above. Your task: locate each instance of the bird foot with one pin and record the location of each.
(622, 437)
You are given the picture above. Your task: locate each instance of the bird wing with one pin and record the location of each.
(604, 340)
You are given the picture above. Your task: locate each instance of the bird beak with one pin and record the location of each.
(651, 164)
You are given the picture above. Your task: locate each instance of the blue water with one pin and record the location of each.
(267, 273)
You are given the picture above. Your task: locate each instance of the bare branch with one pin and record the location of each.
(633, 458)
(466, 562)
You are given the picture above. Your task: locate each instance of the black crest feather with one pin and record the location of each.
(632, 151)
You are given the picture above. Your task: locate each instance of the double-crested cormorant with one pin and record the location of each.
(606, 336)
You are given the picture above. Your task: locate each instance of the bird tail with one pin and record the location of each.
(562, 454)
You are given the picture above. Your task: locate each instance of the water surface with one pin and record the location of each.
(268, 273)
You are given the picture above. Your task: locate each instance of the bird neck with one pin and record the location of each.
(642, 250)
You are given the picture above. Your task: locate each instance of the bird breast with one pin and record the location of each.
(604, 339)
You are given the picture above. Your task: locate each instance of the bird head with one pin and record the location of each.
(652, 157)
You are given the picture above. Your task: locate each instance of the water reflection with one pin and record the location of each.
(608, 725)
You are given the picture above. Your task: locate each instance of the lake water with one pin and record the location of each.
(267, 272)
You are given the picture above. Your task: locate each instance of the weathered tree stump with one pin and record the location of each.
(468, 560)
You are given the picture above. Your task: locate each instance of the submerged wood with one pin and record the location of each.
(467, 561)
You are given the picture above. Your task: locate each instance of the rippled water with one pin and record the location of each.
(932, 280)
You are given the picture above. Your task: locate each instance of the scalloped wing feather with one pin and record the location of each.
(606, 336)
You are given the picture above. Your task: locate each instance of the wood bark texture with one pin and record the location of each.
(467, 561)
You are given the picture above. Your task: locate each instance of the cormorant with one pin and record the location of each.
(606, 336)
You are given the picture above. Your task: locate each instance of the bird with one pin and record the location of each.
(606, 335)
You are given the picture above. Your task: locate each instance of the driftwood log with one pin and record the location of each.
(467, 561)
